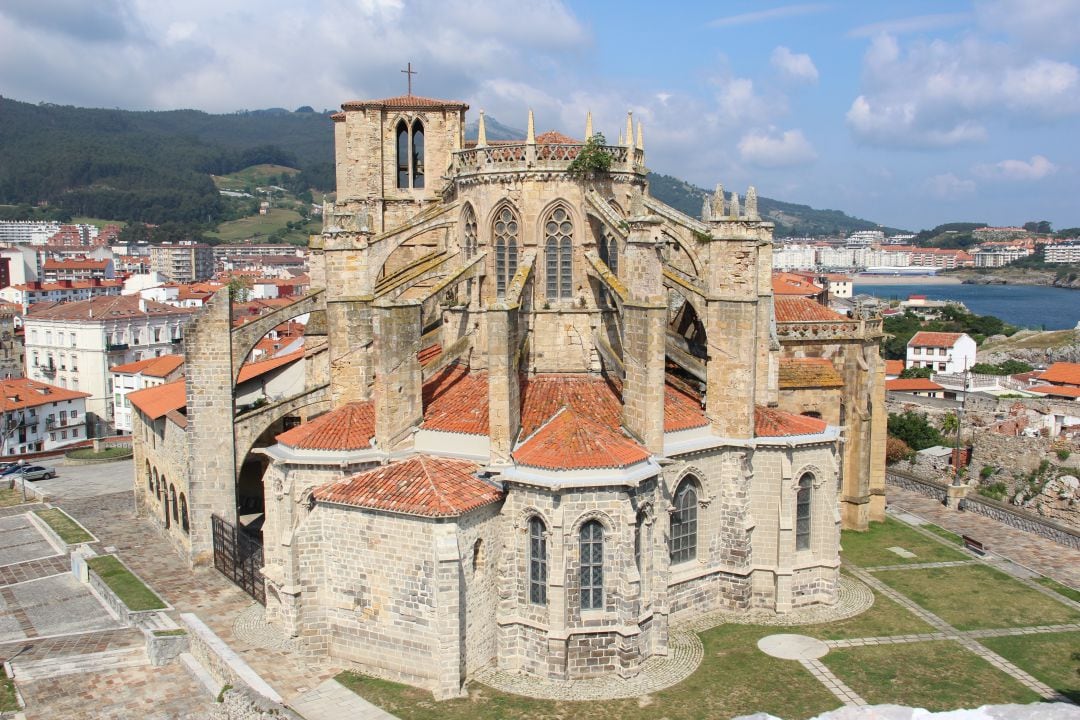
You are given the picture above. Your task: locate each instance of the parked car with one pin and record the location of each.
(10, 468)
(37, 472)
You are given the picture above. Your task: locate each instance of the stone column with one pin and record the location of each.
(504, 382)
(212, 471)
(398, 380)
(449, 614)
(349, 327)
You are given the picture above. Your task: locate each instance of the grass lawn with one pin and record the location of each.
(735, 678)
(105, 454)
(135, 594)
(9, 702)
(83, 220)
(256, 226)
(974, 597)
(947, 534)
(13, 496)
(252, 175)
(870, 548)
(1057, 587)
(62, 524)
(1053, 658)
(933, 675)
(884, 618)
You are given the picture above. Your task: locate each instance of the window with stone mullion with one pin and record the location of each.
(537, 562)
(684, 524)
(505, 232)
(592, 566)
(802, 512)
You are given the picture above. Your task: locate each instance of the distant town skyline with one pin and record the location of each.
(908, 114)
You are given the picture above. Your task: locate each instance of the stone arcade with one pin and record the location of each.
(552, 416)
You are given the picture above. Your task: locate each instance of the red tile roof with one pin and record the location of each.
(157, 401)
(553, 137)
(570, 441)
(589, 396)
(934, 339)
(894, 367)
(769, 422)
(456, 400)
(801, 309)
(1058, 390)
(20, 393)
(108, 307)
(682, 409)
(402, 101)
(349, 427)
(426, 355)
(253, 370)
(162, 366)
(791, 284)
(808, 373)
(76, 264)
(1062, 373)
(421, 485)
(912, 385)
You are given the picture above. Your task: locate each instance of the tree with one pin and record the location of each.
(914, 429)
(950, 424)
(914, 372)
(239, 289)
(1042, 226)
(592, 158)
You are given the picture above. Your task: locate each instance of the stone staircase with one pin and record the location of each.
(33, 670)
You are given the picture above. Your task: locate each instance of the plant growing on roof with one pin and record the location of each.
(593, 158)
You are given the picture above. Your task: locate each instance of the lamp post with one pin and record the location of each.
(958, 490)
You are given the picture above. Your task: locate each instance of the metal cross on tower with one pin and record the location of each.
(409, 72)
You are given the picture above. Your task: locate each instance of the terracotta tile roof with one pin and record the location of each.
(157, 401)
(421, 485)
(19, 393)
(894, 367)
(402, 101)
(456, 400)
(934, 339)
(1059, 390)
(349, 427)
(570, 441)
(553, 137)
(809, 373)
(682, 408)
(912, 385)
(426, 355)
(791, 284)
(1062, 373)
(801, 309)
(589, 396)
(162, 366)
(769, 422)
(253, 370)
(76, 264)
(107, 307)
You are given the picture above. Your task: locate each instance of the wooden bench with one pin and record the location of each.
(974, 545)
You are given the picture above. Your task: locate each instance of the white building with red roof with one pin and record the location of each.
(38, 417)
(146, 373)
(942, 352)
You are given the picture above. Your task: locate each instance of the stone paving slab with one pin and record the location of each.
(1034, 551)
(333, 701)
(74, 644)
(21, 541)
(34, 569)
(56, 605)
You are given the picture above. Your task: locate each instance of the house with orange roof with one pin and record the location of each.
(920, 387)
(149, 372)
(1060, 381)
(943, 352)
(38, 417)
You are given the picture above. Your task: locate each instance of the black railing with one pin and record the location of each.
(239, 557)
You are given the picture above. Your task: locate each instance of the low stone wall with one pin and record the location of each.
(1005, 514)
(162, 647)
(245, 704)
(223, 664)
(68, 460)
(133, 618)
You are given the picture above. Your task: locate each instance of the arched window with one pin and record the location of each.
(149, 478)
(469, 225)
(802, 512)
(417, 154)
(610, 244)
(592, 566)
(559, 254)
(175, 508)
(157, 485)
(537, 562)
(478, 555)
(165, 501)
(506, 249)
(402, 135)
(183, 514)
(684, 523)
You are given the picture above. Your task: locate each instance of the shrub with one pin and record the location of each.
(592, 158)
(987, 471)
(896, 450)
(996, 490)
(1063, 454)
(914, 429)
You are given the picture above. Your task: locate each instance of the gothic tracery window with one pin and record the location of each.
(684, 523)
(469, 224)
(537, 562)
(592, 566)
(559, 252)
(802, 511)
(409, 139)
(506, 249)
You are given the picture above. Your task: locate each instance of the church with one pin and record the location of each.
(550, 416)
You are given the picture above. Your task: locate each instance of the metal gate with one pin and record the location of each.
(238, 556)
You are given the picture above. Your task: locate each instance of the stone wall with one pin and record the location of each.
(162, 464)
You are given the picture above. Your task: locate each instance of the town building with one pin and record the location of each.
(74, 344)
(991, 257)
(1062, 253)
(146, 373)
(920, 387)
(941, 351)
(77, 269)
(27, 232)
(38, 417)
(541, 417)
(1060, 380)
(26, 294)
(184, 262)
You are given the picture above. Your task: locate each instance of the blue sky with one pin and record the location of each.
(909, 114)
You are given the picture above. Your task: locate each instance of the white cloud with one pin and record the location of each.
(769, 149)
(947, 186)
(794, 66)
(778, 13)
(936, 93)
(1041, 24)
(917, 23)
(1035, 169)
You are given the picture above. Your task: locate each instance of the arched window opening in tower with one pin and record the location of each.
(537, 562)
(402, 155)
(802, 511)
(684, 523)
(592, 566)
(418, 154)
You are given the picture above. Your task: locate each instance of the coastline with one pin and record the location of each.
(906, 280)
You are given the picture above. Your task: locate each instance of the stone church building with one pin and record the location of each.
(549, 415)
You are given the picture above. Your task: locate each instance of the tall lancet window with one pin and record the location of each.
(417, 154)
(803, 497)
(410, 154)
(402, 134)
(592, 566)
(506, 249)
(559, 254)
(537, 561)
(468, 221)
